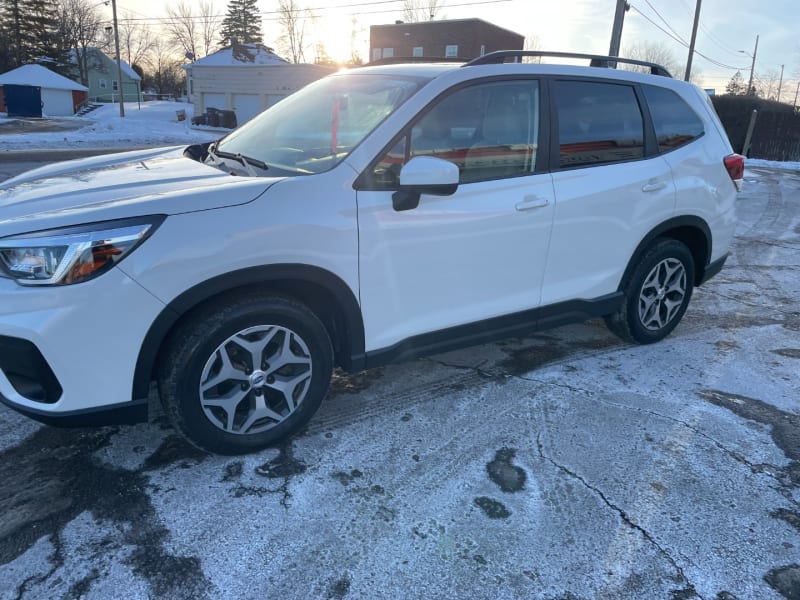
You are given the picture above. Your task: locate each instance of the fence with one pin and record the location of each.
(777, 132)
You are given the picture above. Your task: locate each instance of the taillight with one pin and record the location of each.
(734, 164)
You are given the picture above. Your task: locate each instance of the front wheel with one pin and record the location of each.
(656, 293)
(245, 373)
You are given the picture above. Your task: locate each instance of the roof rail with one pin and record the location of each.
(397, 60)
(597, 60)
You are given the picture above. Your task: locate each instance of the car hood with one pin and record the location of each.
(160, 181)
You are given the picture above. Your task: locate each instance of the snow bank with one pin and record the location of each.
(155, 124)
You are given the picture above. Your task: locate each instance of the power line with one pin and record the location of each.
(275, 15)
(653, 8)
(685, 45)
(722, 45)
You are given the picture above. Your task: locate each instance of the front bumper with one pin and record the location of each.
(68, 353)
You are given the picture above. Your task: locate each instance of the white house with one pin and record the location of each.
(245, 78)
(59, 96)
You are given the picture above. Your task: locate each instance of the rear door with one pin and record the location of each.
(611, 187)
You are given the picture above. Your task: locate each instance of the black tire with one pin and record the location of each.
(657, 293)
(217, 346)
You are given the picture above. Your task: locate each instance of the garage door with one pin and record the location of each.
(246, 106)
(214, 101)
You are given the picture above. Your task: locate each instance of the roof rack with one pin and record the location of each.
(397, 60)
(597, 60)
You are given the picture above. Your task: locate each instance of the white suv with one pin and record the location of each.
(377, 215)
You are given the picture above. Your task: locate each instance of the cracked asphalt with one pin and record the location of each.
(563, 466)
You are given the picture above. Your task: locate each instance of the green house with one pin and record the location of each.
(102, 76)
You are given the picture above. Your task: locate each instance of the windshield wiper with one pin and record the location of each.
(246, 161)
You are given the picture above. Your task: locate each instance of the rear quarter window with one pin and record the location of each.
(675, 122)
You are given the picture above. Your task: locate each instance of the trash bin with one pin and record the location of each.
(212, 116)
(199, 120)
(227, 118)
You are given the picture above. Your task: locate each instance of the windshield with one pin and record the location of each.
(316, 128)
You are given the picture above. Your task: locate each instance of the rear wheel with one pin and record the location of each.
(244, 374)
(656, 293)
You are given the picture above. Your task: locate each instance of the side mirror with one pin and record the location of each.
(424, 175)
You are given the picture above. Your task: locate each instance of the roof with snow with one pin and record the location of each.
(39, 76)
(240, 55)
(126, 68)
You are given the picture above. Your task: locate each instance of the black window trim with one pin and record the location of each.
(543, 143)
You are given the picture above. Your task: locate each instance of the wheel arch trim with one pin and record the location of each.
(685, 221)
(252, 276)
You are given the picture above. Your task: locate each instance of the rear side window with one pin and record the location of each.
(675, 122)
(598, 123)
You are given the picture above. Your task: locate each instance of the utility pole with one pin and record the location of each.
(616, 30)
(780, 83)
(119, 61)
(795, 94)
(752, 68)
(691, 43)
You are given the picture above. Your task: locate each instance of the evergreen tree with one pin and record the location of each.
(27, 31)
(242, 22)
(736, 85)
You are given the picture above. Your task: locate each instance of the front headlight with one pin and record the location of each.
(74, 254)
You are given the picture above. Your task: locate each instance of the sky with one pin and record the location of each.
(726, 27)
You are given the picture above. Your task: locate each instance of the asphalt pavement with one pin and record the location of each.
(564, 466)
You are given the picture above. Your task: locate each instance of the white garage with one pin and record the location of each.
(59, 96)
(246, 78)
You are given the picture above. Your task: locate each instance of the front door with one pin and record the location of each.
(477, 254)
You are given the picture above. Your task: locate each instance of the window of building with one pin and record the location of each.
(489, 131)
(483, 49)
(451, 51)
(102, 83)
(388, 52)
(598, 123)
(417, 51)
(675, 122)
(114, 85)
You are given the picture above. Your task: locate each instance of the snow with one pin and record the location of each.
(39, 76)
(242, 55)
(758, 162)
(156, 124)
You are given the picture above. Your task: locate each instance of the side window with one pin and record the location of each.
(489, 131)
(675, 122)
(598, 123)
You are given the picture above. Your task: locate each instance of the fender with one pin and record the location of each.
(281, 274)
(684, 222)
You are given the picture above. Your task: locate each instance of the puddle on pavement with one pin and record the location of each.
(509, 478)
(492, 508)
(53, 476)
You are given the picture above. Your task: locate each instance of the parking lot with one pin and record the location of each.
(564, 466)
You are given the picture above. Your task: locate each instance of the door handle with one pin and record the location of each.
(531, 202)
(654, 186)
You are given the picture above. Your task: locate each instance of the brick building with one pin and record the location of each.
(456, 38)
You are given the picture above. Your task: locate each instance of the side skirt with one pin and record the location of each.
(490, 330)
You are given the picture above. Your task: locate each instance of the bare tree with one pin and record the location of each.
(183, 29)
(532, 42)
(209, 25)
(80, 28)
(293, 20)
(135, 38)
(415, 11)
(164, 72)
(657, 53)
